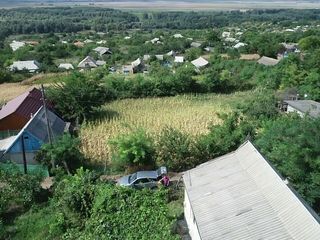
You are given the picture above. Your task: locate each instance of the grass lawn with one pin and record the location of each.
(189, 113)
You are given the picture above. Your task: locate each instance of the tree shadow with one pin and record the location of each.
(105, 115)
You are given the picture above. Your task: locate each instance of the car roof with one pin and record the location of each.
(147, 174)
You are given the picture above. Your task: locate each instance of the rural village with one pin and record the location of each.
(181, 125)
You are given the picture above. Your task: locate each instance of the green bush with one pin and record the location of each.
(65, 152)
(17, 188)
(133, 150)
(176, 150)
(225, 137)
(292, 144)
(125, 213)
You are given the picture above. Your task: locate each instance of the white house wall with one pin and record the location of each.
(291, 109)
(190, 219)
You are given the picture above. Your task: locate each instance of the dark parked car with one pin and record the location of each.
(143, 179)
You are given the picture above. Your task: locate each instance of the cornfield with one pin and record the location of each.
(192, 114)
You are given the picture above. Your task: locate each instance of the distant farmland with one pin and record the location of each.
(171, 5)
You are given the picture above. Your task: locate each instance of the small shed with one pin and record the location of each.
(66, 66)
(159, 57)
(241, 196)
(200, 62)
(177, 35)
(127, 69)
(195, 44)
(239, 45)
(302, 107)
(267, 61)
(79, 44)
(15, 45)
(102, 50)
(155, 40)
(179, 59)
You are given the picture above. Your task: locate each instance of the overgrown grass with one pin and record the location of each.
(192, 114)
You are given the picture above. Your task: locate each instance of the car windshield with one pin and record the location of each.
(132, 177)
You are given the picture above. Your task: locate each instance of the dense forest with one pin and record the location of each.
(67, 19)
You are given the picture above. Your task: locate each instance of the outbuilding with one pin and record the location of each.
(200, 62)
(302, 107)
(267, 61)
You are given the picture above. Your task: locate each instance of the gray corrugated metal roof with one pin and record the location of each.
(240, 196)
(28, 65)
(306, 106)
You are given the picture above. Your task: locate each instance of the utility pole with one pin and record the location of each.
(24, 154)
(47, 120)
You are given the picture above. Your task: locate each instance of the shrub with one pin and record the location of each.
(176, 150)
(64, 152)
(225, 137)
(17, 189)
(125, 213)
(135, 149)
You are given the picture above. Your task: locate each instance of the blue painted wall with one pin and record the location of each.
(31, 144)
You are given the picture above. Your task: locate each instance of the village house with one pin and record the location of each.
(102, 50)
(195, 44)
(15, 45)
(171, 53)
(226, 34)
(209, 49)
(159, 57)
(179, 59)
(16, 113)
(137, 66)
(146, 57)
(249, 57)
(66, 66)
(241, 196)
(32, 43)
(177, 35)
(267, 61)
(22, 148)
(239, 45)
(101, 42)
(302, 107)
(79, 44)
(30, 66)
(230, 39)
(200, 62)
(127, 69)
(88, 63)
(155, 40)
(87, 41)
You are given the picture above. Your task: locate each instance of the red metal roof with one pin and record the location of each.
(24, 105)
